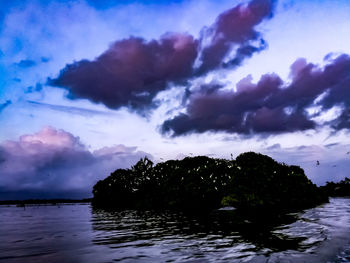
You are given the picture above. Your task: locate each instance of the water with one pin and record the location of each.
(77, 233)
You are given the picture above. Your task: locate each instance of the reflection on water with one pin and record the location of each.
(76, 233)
(177, 237)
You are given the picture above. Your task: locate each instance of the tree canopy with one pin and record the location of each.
(251, 182)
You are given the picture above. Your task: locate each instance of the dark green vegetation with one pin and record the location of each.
(341, 188)
(252, 182)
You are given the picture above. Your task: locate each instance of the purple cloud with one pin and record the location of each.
(132, 71)
(54, 163)
(234, 28)
(343, 121)
(269, 106)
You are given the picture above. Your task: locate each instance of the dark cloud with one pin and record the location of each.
(4, 105)
(337, 79)
(234, 28)
(54, 161)
(26, 63)
(243, 53)
(310, 81)
(343, 121)
(269, 106)
(132, 71)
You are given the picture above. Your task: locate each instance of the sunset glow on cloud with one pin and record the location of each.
(57, 163)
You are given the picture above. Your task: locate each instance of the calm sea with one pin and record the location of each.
(78, 233)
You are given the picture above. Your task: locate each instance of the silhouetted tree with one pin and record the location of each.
(251, 182)
(341, 188)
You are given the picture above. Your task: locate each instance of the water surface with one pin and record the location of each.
(78, 233)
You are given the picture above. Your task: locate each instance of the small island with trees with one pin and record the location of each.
(252, 183)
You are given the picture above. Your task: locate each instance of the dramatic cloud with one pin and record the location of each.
(270, 106)
(132, 71)
(235, 26)
(4, 105)
(54, 164)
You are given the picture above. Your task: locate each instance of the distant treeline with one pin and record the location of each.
(252, 182)
(341, 188)
(43, 201)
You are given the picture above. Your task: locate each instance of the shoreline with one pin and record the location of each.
(44, 201)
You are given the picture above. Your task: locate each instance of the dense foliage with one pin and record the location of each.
(202, 183)
(341, 188)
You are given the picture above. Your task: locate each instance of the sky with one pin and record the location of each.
(87, 87)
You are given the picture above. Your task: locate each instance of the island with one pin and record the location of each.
(252, 182)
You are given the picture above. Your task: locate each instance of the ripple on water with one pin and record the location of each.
(80, 234)
(180, 238)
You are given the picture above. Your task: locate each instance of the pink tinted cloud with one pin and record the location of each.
(58, 162)
(51, 137)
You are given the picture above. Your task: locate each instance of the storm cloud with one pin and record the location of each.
(132, 71)
(270, 105)
(54, 164)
